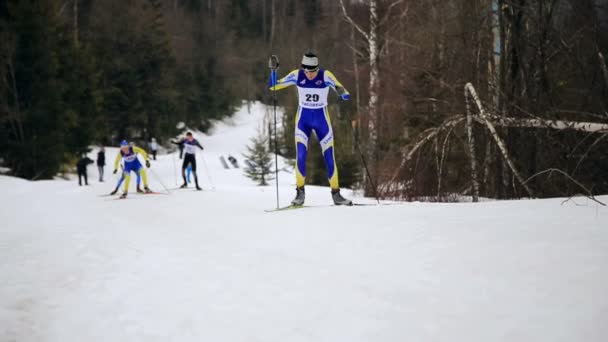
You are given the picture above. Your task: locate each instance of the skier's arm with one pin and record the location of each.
(117, 160)
(333, 82)
(289, 80)
(178, 143)
(199, 145)
(141, 151)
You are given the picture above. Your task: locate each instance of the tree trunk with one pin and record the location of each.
(374, 82)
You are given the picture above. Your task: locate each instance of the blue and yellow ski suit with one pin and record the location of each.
(131, 163)
(313, 115)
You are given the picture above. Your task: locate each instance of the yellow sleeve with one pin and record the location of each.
(140, 151)
(287, 81)
(117, 160)
(332, 81)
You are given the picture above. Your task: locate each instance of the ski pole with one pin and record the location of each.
(207, 172)
(273, 64)
(158, 180)
(369, 177)
(174, 170)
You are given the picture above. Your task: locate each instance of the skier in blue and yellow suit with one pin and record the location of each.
(313, 85)
(131, 163)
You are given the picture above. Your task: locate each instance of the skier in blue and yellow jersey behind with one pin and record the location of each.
(313, 85)
(131, 163)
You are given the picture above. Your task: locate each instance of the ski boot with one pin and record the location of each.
(139, 190)
(199, 188)
(124, 195)
(147, 190)
(338, 199)
(114, 192)
(183, 186)
(300, 197)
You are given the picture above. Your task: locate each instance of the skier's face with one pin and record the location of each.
(189, 137)
(311, 74)
(125, 149)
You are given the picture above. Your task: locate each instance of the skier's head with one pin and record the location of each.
(124, 145)
(310, 64)
(189, 136)
(154, 139)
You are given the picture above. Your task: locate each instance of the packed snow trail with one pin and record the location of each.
(213, 266)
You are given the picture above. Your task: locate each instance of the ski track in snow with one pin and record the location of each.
(213, 266)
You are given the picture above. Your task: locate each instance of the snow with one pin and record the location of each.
(214, 266)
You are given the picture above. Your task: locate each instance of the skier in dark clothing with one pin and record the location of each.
(81, 167)
(154, 148)
(189, 145)
(101, 162)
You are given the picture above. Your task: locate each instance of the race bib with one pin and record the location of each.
(313, 97)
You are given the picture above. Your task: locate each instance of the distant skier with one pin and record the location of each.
(189, 145)
(129, 155)
(81, 167)
(153, 148)
(233, 161)
(101, 162)
(313, 86)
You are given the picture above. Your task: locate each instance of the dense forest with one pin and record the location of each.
(532, 121)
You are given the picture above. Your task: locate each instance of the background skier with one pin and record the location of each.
(153, 148)
(189, 145)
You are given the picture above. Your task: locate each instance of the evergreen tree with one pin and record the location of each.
(259, 160)
(33, 143)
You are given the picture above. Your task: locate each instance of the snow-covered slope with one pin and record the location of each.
(213, 266)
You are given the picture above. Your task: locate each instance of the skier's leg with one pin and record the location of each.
(326, 138)
(144, 176)
(302, 134)
(193, 170)
(86, 181)
(127, 180)
(122, 179)
(79, 178)
(184, 167)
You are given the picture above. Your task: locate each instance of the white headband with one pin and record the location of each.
(310, 61)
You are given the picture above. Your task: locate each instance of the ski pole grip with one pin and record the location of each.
(273, 62)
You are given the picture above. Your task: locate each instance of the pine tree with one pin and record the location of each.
(259, 160)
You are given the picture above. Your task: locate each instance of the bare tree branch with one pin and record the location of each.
(351, 21)
(501, 145)
(552, 170)
(603, 66)
(388, 11)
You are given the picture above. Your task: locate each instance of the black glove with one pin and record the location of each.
(115, 170)
(273, 62)
(147, 163)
